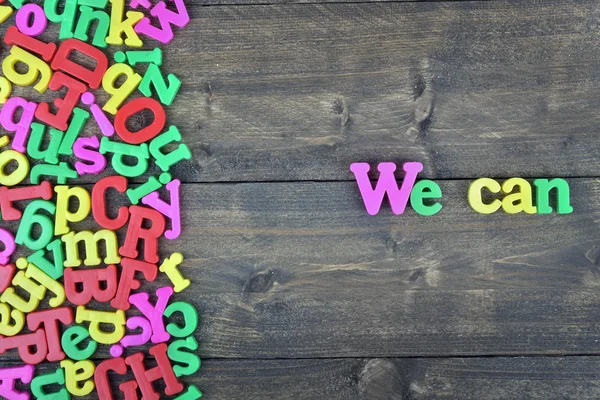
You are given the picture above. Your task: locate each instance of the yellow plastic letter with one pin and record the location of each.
(36, 294)
(35, 273)
(35, 67)
(169, 267)
(121, 93)
(76, 372)
(5, 12)
(6, 328)
(63, 215)
(474, 196)
(19, 174)
(91, 248)
(116, 319)
(5, 89)
(118, 26)
(519, 201)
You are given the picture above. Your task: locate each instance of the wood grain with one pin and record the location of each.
(299, 270)
(298, 92)
(499, 378)
(317, 237)
(292, 2)
(301, 294)
(208, 3)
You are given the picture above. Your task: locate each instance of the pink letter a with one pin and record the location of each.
(386, 184)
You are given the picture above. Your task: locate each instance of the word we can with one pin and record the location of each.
(485, 195)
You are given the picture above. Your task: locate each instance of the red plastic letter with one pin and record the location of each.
(127, 281)
(50, 320)
(8, 196)
(91, 288)
(65, 106)
(132, 108)
(99, 202)
(101, 376)
(61, 62)
(23, 344)
(150, 236)
(163, 370)
(15, 38)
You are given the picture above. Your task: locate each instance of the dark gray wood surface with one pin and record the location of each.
(383, 378)
(301, 294)
(470, 89)
(299, 91)
(298, 270)
(450, 378)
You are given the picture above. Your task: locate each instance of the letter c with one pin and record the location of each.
(474, 196)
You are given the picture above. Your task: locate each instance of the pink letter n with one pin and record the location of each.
(386, 184)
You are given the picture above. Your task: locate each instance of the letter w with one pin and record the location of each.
(166, 17)
(386, 184)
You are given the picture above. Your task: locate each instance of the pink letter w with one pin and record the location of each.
(386, 184)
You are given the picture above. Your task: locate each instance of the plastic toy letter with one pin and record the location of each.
(8, 377)
(386, 184)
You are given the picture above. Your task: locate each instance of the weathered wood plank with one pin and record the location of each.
(403, 323)
(475, 88)
(291, 2)
(317, 237)
(383, 379)
(207, 3)
(298, 92)
(292, 270)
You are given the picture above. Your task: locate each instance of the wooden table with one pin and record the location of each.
(302, 294)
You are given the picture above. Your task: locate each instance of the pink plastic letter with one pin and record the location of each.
(154, 314)
(173, 210)
(134, 339)
(22, 127)
(166, 18)
(39, 20)
(81, 152)
(140, 339)
(143, 3)
(106, 127)
(385, 184)
(9, 246)
(8, 376)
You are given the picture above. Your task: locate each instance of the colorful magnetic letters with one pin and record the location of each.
(68, 295)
